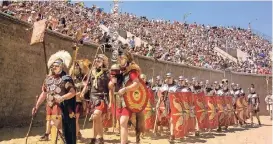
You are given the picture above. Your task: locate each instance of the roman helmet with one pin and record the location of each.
(61, 58)
(143, 77)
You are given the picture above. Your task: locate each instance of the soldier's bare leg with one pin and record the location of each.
(124, 129)
(100, 129)
(270, 111)
(45, 137)
(251, 117)
(258, 118)
(78, 127)
(94, 130)
(197, 132)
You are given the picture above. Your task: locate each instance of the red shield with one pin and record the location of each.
(221, 107)
(179, 117)
(192, 120)
(149, 112)
(230, 111)
(241, 109)
(136, 100)
(212, 112)
(185, 97)
(246, 109)
(201, 110)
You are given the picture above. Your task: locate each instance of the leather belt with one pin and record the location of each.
(99, 94)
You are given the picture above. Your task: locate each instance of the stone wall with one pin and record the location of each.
(22, 69)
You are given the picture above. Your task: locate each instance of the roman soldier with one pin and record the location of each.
(149, 110)
(253, 104)
(232, 93)
(196, 89)
(208, 89)
(97, 84)
(156, 87)
(239, 90)
(219, 92)
(218, 88)
(114, 85)
(225, 88)
(169, 86)
(59, 91)
(224, 92)
(191, 84)
(269, 102)
(201, 84)
(181, 87)
(129, 71)
(78, 72)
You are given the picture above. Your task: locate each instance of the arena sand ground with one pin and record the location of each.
(235, 135)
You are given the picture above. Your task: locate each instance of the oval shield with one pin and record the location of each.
(136, 100)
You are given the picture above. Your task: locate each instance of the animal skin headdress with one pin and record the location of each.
(62, 55)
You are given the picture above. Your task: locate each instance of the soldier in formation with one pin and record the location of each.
(104, 92)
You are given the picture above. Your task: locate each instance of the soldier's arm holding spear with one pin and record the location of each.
(40, 100)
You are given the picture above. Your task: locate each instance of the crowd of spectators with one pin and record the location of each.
(190, 44)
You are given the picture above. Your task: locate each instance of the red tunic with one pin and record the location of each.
(133, 75)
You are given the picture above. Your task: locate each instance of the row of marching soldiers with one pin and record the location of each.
(185, 106)
(93, 89)
(97, 90)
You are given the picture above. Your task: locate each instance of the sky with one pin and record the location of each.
(214, 13)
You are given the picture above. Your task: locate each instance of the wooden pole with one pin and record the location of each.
(88, 78)
(37, 97)
(45, 57)
(30, 125)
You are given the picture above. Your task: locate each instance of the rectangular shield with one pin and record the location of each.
(212, 112)
(179, 113)
(221, 107)
(201, 110)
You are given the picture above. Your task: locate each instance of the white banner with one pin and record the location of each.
(38, 32)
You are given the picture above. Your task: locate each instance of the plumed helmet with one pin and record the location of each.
(61, 57)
